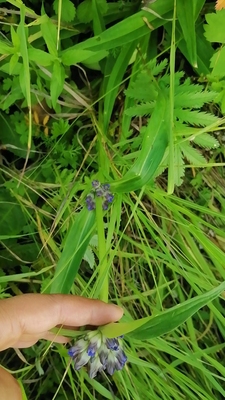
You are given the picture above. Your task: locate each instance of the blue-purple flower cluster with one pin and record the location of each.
(98, 353)
(99, 190)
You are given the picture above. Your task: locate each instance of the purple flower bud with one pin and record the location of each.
(111, 363)
(109, 197)
(91, 206)
(106, 186)
(95, 366)
(112, 344)
(81, 360)
(95, 184)
(80, 346)
(99, 192)
(121, 357)
(105, 205)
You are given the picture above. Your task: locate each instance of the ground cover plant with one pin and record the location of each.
(112, 187)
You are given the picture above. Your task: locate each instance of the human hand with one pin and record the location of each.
(27, 318)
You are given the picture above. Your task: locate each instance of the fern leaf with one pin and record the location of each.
(193, 100)
(192, 155)
(89, 257)
(157, 69)
(138, 90)
(206, 141)
(195, 117)
(140, 110)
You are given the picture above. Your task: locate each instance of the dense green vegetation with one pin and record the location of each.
(131, 94)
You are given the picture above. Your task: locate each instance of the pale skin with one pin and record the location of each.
(28, 318)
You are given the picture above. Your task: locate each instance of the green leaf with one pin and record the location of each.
(12, 218)
(178, 169)
(74, 56)
(5, 48)
(57, 82)
(195, 117)
(206, 141)
(186, 18)
(217, 63)
(154, 145)
(165, 321)
(214, 31)
(192, 155)
(74, 249)
(49, 33)
(13, 63)
(84, 12)
(68, 10)
(15, 38)
(40, 57)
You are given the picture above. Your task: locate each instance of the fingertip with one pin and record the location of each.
(116, 312)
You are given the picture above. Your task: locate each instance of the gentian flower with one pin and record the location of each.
(98, 353)
(99, 190)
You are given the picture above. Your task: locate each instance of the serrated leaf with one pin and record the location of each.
(140, 109)
(89, 257)
(193, 100)
(192, 155)
(214, 31)
(195, 117)
(154, 144)
(68, 11)
(138, 89)
(158, 68)
(206, 141)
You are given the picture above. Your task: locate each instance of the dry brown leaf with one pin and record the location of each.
(220, 4)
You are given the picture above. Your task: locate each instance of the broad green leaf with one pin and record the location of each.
(214, 31)
(68, 10)
(57, 82)
(84, 11)
(49, 33)
(74, 249)
(40, 57)
(165, 321)
(74, 56)
(5, 48)
(12, 218)
(154, 145)
(217, 63)
(186, 18)
(126, 31)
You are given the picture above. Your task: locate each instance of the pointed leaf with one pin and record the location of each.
(74, 249)
(165, 321)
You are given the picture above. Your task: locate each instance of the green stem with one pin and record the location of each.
(103, 269)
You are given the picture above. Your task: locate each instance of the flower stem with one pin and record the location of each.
(103, 270)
